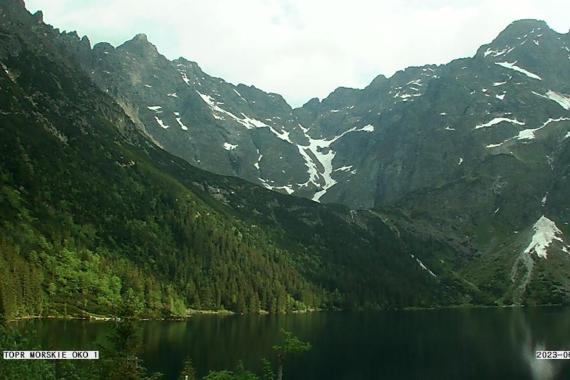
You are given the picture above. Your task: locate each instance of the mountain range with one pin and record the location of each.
(441, 185)
(354, 147)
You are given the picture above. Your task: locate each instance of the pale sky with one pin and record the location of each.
(302, 48)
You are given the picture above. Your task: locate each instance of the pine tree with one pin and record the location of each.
(291, 345)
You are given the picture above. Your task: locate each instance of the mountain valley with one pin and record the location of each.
(124, 174)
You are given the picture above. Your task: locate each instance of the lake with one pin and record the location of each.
(427, 344)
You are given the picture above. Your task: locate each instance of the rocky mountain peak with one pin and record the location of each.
(340, 96)
(140, 45)
(17, 8)
(312, 103)
(517, 34)
(141, 38)
(378, 80)
(524, 26)
(103, 47)
(356, 146)
(187, 64)
(39, 17)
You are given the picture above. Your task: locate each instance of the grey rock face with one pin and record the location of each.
(423, 128)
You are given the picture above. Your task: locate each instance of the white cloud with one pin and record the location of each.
(302, 48)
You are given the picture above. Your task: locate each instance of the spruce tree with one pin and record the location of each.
(291, 345)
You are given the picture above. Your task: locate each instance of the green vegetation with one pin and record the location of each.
(120, 361)
(240, 373)
(291, 345)
(80, 226)
(11, 339)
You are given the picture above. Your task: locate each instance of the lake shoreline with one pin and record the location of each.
(394, 345)
(191, 313)
(226, 313)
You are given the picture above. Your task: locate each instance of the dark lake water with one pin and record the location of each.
(434, 344)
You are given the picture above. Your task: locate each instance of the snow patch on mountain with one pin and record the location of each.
(287, 188)
(246, 121)
(238, 94)
(217, 111)
(497, 53)
(562, 100)
(228, 146)
(545, 233)
(513, 66)
(312, 168)
(161, 123)
(498, 120)
(250, 123)
(260, 156)
(405, 97)
(406, 94)
(529, 134)
(185, 77)
(344, 169)
(321, 150)
(179, 121)
(421, 264)
(4, 68)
